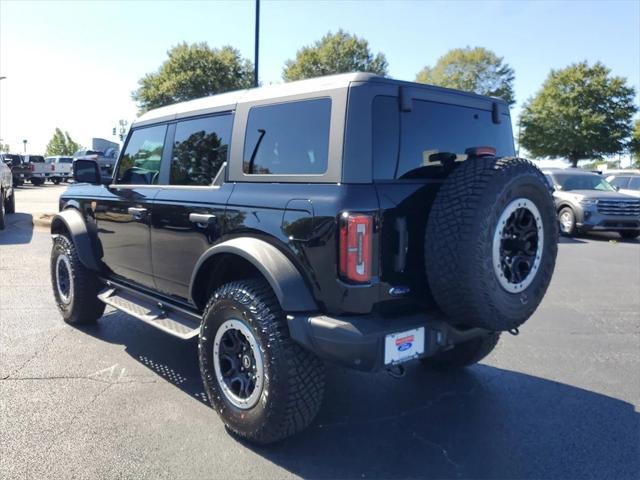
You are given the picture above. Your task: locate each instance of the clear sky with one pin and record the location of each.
(74, 64)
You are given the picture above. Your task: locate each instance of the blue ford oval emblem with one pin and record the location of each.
(404, 346)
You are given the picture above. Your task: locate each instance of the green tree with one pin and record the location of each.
(474, 70)
(581, 112)
(334, 53)
(62, 144)
(4, 147)
(634, 145)
(193, 71)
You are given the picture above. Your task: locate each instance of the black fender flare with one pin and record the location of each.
(71, 220)
(281, 274)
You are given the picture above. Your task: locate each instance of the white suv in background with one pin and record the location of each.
(627, 183)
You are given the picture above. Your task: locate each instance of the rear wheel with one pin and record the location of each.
(75, 287)
(464, 354)
(491, 243)
(630, 234)
(56, 181)
(37, 181)
(264, 386)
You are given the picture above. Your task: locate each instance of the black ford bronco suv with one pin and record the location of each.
(353, 219)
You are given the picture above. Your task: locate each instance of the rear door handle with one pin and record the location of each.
(202, 218)
(137, 213)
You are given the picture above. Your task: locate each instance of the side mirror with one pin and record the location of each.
(86, 171)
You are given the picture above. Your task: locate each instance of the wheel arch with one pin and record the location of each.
(243, 257)
(69, 222)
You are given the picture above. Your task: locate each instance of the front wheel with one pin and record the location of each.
(567, 221)
(75, 287)
(629, 234)
(264, 386)
(464, 354)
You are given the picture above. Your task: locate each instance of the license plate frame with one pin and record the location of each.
(403, 346)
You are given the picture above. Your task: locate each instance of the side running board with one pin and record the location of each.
(173, 320)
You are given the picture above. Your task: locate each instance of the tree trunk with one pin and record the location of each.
(574, 160)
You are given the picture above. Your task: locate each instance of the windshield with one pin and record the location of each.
(569, 182)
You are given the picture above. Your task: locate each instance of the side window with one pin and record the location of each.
(199, 149)
(289, 138)
(634, 183)
(140, 163)
(620, 182)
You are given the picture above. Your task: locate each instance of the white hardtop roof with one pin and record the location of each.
(256, 94)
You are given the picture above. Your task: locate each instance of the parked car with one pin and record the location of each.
(7, 194)
(105, 162)
(60, 168)
(353, 219)
(38, 169)
(586, 202)
(627, 183)
(19, 170)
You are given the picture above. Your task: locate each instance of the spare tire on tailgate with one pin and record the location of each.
(491, 243)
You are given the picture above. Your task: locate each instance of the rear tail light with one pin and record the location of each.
(356, 232)
(32, 167)
(53, 167)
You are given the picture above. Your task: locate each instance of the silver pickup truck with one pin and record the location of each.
(7, 195)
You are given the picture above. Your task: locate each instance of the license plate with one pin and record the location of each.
(402, 346)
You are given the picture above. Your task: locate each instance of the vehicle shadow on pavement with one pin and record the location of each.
(484, 422)
(598, 237)
(18, 229)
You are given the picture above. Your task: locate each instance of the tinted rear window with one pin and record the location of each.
(36, 159)
(288, 138)
(432, 128)
(65, 160)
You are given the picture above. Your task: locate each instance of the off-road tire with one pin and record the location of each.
(460, 236)
(569, 230)
(37, 181)
(463, 354)
(10, 204)
(84, 308)
(629, 234)
(293, 377)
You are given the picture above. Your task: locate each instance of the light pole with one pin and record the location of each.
(257, 44)
(24, 142)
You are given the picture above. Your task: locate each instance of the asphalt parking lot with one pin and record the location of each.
(124, 400)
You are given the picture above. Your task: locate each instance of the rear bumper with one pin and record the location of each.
(358, 341)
